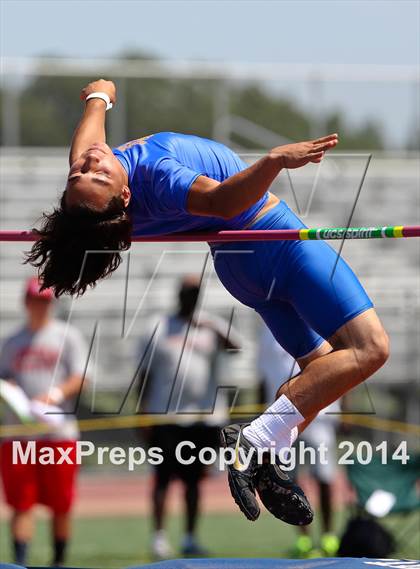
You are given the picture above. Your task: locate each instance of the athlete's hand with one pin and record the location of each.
(299, 154)
(101, 85)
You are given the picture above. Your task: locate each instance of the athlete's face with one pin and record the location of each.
(96, 177)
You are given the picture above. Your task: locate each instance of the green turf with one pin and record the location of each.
(119, 542)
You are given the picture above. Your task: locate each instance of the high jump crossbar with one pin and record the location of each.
(323, 233)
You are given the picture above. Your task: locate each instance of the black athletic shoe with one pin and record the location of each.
(281, 496)
(241, 478)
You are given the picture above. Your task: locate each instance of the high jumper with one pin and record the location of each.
(311, 300)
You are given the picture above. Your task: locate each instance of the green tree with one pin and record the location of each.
(366, 137)
(155, 105)
(49, 110)
(274, 113)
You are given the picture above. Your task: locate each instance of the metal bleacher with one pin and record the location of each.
(32, 179)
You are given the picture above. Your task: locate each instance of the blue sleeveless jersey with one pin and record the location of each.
(161, 169)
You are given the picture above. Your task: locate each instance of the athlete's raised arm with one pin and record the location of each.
(92, 210)
(91, 128)
(239, 192)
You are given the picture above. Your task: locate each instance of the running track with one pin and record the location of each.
(129, 495)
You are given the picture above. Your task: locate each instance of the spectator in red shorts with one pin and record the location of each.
(46, 359)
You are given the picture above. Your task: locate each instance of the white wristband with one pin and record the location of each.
(56, 395)
(103, 96)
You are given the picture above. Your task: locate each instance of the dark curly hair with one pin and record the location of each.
(67, 233)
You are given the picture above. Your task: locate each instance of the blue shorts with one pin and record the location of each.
(302, 289)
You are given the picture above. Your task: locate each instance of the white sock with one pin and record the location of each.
(277, 425)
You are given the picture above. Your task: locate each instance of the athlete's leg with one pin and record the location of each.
(296, 337)
(280, 495)
(353, 353)
(306, 285)
(324, 349)
(362, 343)
(360, 347)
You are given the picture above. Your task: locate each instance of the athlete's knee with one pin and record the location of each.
(375, 351)
(365, 338)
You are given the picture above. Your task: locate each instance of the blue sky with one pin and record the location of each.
(382, 32)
